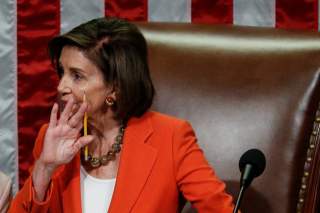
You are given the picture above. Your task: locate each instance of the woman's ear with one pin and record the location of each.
(111, 98)
(114, 95)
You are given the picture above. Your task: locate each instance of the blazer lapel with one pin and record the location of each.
(136, 162)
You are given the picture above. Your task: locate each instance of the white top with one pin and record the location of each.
(96, 193)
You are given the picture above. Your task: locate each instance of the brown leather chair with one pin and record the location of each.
(243, 88)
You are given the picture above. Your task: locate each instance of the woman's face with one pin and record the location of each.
(79, 76)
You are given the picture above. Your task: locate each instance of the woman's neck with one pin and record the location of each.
(105, 128)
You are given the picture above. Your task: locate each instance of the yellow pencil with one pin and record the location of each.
(85, 129)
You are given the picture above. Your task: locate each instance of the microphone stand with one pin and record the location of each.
(246, 178)
(237, 206)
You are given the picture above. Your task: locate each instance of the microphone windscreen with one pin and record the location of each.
(255, 158)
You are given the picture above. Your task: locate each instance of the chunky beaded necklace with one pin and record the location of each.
(95, 162)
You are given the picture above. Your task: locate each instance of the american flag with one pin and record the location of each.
(28, 83)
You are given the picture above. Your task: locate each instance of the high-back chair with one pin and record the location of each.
(243, 88)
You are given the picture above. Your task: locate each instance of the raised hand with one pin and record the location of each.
(62, 141)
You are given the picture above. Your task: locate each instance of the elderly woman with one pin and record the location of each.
(137, 160)
(5, 192)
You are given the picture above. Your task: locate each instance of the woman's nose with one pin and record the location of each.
(63, 86)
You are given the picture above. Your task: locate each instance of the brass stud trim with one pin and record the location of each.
(313, 141)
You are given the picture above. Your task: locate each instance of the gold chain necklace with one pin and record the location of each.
(95, 162)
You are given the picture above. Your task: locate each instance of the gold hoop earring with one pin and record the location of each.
(109, 101)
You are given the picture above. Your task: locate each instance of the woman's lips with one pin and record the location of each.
(62, 102)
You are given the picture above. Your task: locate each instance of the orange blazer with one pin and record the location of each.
(161, 165)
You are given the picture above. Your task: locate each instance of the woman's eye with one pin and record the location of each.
(77, 76)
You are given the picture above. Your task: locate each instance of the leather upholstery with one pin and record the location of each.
(243, 88)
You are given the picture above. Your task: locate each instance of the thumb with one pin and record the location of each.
(82, 141)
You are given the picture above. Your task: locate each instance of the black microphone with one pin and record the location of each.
(252, 163)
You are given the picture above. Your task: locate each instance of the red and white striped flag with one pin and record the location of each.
(28, 83)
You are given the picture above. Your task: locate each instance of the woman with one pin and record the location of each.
(139, 160)
(5, 192)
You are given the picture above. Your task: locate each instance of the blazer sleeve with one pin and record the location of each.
(25, 200)
(195, 178)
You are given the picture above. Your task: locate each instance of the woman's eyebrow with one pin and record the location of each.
(75, 69)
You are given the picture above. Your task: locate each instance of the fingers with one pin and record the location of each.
(81, 142)
(75, 108)
(76, 120)
(53, 115)
(66, 112)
